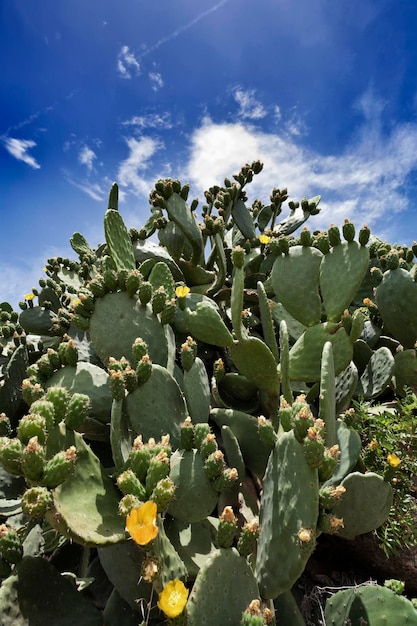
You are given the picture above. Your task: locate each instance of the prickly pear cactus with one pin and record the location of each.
(170, 412)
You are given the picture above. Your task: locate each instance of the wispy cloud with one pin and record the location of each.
(127, 63)
(19, 149)
(249, 106)
(93, 190)
(366, 183)
(131, 170)
(150, 120)
(86, 157)
(156, 81)
(183, 28)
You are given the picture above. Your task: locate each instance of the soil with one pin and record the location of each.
(338, 563)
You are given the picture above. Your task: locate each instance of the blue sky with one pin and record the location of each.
(324, 92)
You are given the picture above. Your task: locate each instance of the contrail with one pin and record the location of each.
(182, 29)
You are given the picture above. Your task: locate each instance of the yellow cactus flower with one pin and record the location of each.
(173, 598)
(141, 523)
(264, 239)
(393, 460)
(29, 296)
(182, 291)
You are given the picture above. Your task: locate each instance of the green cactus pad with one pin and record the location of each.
(279, 314)
(405, 371)
(122, 563)
(341, 273)
(195, 497)
(118, 241)
(377, 375)
(345, 385)
(289, 505)
(223, 589)
(181, 215)
(172, 566)
(396, 298)
(305, 355)
(255, 360)
(327, 400)
(243, 220)
(118, 320)
(161, 276)
(87, 502)
(45, 597)
(245, 428)
(365, 505)
(287, 610)
(369, 604)
(157, 408)
(205, 324)
(295, 279)
(88, 379)
(192, 541)
(349, 443)
(197, 392)
(148, 250)
(36, 320)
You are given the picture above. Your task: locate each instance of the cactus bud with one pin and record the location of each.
(214, 464)
(128, 503)
(334, 235)
(201, 431)
(208, 445)
(129, 483)
(329, 496)
(68, 353)
(59, 397)
(247, 541)
(144, 370)
(139, 459)
(77, 410)
(329, 464)
(348, 230)
(145, 293)
(187, 434)
(227, 479)
(188, 353)
(139, 349)
(305, 237)
(238, 257)
(32, 425)
(168, 312)
(158, 469)
(33, 460)
(163, 494)
(110, 279)
(158, 300)
(227, 528)
(266, 431)
(5, 426)
(36, 501)
(302, 419)
(364, 235)
(11, 548)
(313, 448)
(59, 467)
(10, 455)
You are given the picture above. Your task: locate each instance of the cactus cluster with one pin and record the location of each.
(177, 408)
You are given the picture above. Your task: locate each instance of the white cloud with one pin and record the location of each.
(127, 63)
(150, 120)
(129, 172)
(366, 183)
(19, 149)
(249, 106)
(86, 157)
(156, 80)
